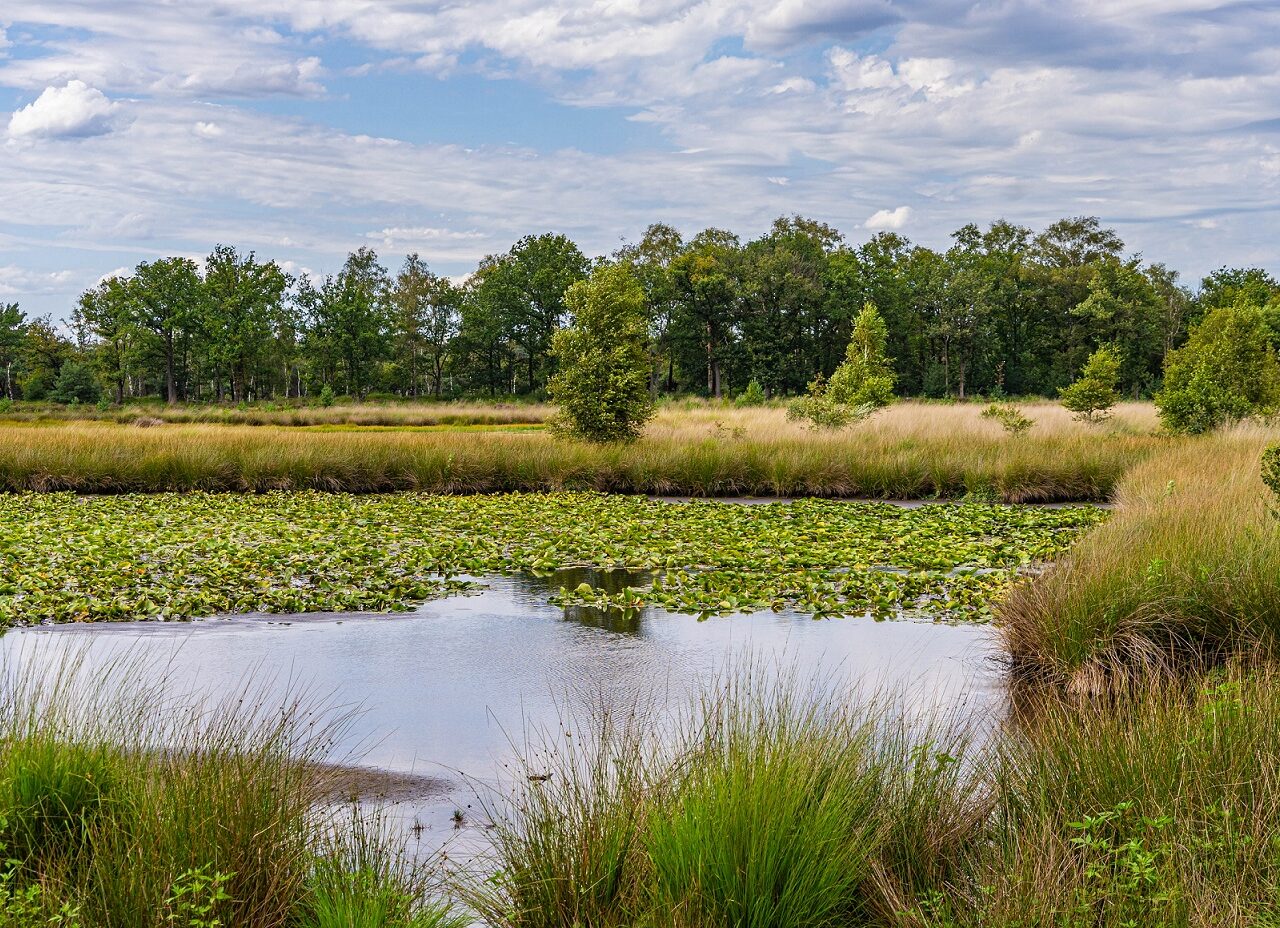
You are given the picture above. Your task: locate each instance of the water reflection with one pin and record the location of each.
(537, 588)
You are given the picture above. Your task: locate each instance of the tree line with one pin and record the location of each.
(1003, 311)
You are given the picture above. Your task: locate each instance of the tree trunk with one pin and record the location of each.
(171, 386)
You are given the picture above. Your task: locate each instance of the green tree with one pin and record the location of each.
(12, 337)
(75, 384)
(106, 312)
(1123, 309)
(1226, 371)
(602, 385)
(708, 284)
(425, 312)
(166, 296)
(866, 377)
(1091, 395)
(243, 306)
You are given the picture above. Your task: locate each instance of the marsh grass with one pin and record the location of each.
(909, 451)
(1186, 574)
(769, 803)
(122, 805)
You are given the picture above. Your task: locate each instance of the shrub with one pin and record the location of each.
(75, 384)
(752, 396)
(603, 384)
(1227, 371)
(1095, 391)
(1010, 417)
(326, 396)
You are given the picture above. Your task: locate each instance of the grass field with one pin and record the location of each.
(909, 451)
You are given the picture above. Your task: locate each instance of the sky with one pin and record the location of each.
(302, 129)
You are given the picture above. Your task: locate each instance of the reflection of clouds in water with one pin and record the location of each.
(455, 687)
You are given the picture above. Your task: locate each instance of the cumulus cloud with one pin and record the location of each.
(74, 110)
(888, 219)
(20, 281)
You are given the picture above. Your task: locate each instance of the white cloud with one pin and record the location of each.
(400, 237)
(75, 110)
(20, 281)
(207, 130)
(883, 219)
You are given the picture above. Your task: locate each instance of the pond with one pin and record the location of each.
(448, 692)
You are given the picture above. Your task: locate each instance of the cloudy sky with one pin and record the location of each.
(304, 128)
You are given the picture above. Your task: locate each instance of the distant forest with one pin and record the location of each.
(1003, 311)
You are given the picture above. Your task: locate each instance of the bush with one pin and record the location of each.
(603, 384)
(1009, 416)
(1227, 371)
(1095, 390)
(326, 397)
(752, 396)
(36, 385)
(75, 384)
(865, 378)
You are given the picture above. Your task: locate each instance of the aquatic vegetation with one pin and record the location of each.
(70, 558)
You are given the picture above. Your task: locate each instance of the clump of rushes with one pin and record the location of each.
(120, 805)
(768, 805)
(69, 558)
(1186, 573)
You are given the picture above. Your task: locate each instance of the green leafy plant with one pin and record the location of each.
(1010, 417)
(195, 898)
(1095, 391)
(326, 397)
(862, 384)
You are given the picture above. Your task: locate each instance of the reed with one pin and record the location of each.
(911, 451)
(1186, 573)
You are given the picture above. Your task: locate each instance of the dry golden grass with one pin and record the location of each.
(909, 451)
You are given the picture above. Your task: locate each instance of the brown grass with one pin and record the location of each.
(909, 451)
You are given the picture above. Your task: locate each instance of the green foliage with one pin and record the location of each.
(866, 377)
(1271, 473)
(75, 384)
(36, 385)
(195, 898)
(753, 395)
(326, 397)
(1227, 371)
(52, 794)
(603, 384)
(1094, 392)
(1010, 417)
(134, 557)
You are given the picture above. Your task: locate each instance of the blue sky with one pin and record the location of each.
(305, 128)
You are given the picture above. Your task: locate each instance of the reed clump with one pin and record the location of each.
(1185, 574)
(122, 805)
(910, 451)
(769, 808)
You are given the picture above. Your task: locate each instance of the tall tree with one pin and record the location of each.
(244, 303)
(166, 295)
(708, 282)
(426, 311)
(106, 312)
(350, 321)
(12, 336)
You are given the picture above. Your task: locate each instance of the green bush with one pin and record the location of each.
(1227, 371)
(326, 397)
(1010, 417)
(1095, 391)
(602, 387)
(866, 377)
(752, 396)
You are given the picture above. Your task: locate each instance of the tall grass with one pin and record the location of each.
(1187, 572)
(123, 806)
(395, 414)
(911, 451)
(779, 807)
(769, 804)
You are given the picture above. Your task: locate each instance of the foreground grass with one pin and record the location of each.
(120, 806)
(1187, 573)
(69, 558)
(909, 451)
(779, 806)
